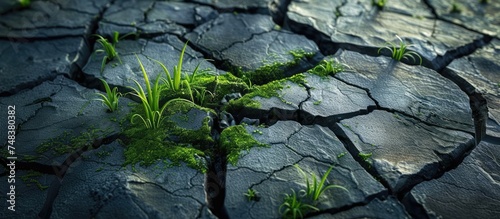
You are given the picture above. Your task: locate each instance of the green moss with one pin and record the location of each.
(274, 70)
(67, 142)
(235, 139)
(31, 177)
(341, 154)
(266, 91)
(170, 143)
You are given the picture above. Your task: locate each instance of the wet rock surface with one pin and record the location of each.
(404, 140)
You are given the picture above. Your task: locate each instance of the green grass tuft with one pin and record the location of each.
(401, 52)
(111, 97)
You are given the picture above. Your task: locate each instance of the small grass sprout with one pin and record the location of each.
(150, 100)
(401, 52)
(314, 189)
(177, 82)
(108, 48)
(251, 195)
(111, 97)
(327, 67)
(293, 207)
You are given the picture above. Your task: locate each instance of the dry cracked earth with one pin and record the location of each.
(405, 140)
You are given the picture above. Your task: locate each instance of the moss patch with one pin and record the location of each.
(235, 139)
(170, 143)
(266, 91)
(274, 70)
(67, 142)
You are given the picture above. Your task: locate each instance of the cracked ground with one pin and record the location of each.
(405, 139)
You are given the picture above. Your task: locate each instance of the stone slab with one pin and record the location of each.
(469, 191)
(404, 151)
(413, 90)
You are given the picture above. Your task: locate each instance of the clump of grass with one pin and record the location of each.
(315, 188)
(111, 97)
(327, 67)
(108, 48)
(401, 52)
(177, 83)
(293, 207)
(297, 206)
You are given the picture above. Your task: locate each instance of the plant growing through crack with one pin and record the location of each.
(401, 52)
(251, 195)
(314, 189)
(111, 97)
(297, 206)
(327, 67)
(293, 207)
(108, 48)
(150, 101)
(177, 83)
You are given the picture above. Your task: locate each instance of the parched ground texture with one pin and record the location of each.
(406, 140)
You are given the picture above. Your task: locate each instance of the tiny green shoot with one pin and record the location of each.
(251, 195)
(401, 52)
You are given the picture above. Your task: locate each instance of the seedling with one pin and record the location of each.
(402, 52)
(315, 189)
(111, 97)
(327, 67)
(176, 82)
(294, 208)
(150, 102)
(251, 195)
(108, 48)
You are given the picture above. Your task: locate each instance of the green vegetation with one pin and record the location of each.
(235, 139)
(266, 91)
(341, 154)
(327, 67)
(24, 3)
(67, 142)
(293, 207)
(108, 48)
(272, 71)
(148, 146)
(401, 52)
(251, 195)
(151, 102)
(314, 189)
(29, 179)
(296, 207)
(111, 97)
(365, 156)
(379, 3)
(175, 83)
